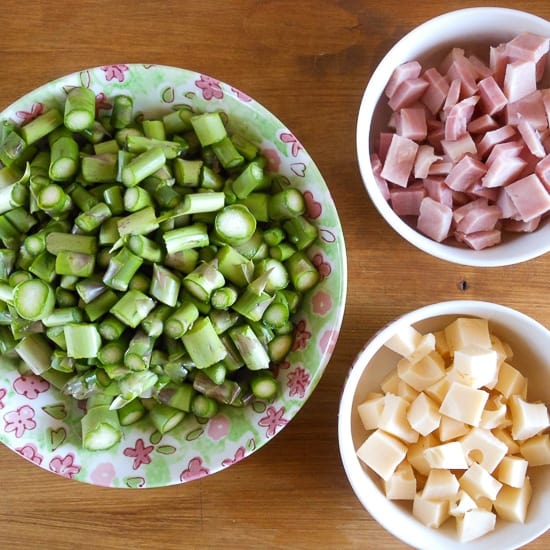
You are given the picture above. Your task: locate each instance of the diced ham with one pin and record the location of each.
(460, 211)
(436, 92)
(483, 217)
(507, 207)
(407, 93)
(406, 202)
(376, 164)
(498, 59)
(491, 138)
(529, 197)
(412, 123)
(542, 170)
(531, 138)
(482, 124)
(384, 140)
(520, 79)
(425, 157)
(545, 99)
(458, 117)
(508, 148)
(477, 190)
(531, 108)
(453, 96)
(491, 98)
(503, 170)
(461, 69)
(438, 190)
(434, 219)
(441, 167)
(482, 239)
(465, 173)
(519, 226)
(527, 46)
(456, 149)
(482, 70)
(405, 71)
(399, 160)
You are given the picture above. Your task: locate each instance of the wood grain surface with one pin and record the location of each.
(308, 61)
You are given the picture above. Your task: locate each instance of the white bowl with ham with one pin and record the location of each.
(472, 469)
(453, 137)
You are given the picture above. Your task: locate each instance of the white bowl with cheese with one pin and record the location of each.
(474, 30)
(464, 396)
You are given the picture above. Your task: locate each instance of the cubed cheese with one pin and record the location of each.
(462, 503)
(390, 383)
(512, 471)
(438, 390)
(474, 366)
(415, 453)
(528, 419)
(422, 373)
(382, 453)
(504, 351)
(450, 429)
(370, 410)
(447, 455)
(441, 484)
(478, 483)
(441, 344)
(466, 331)
(405, 341)
(406, 392)
(511, 503)
(393, 419)
(510, 381)
(431, 513)
(464, 404)
(506, 437)
(474, 524)
(483, 447)
(494, 413)
(402, 483)
(425, 345)
(536, 450)
(423, 414)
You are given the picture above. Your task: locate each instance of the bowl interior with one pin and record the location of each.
(43, 425)
(474, 30)
(529, 341)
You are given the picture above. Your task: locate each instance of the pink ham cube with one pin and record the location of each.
(465, 173)
(399, 160)
(405, 71)
(520, 79)
(434, 219)
(529, 196)
(436, 92)
(412, 123)
(406, 202)
(491, 98)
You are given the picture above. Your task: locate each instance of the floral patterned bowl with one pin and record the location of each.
(43, 425)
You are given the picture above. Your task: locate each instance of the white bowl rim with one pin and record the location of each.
(488, 257)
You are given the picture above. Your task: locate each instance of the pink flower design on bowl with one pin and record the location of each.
(210, 87)
(194, 470)
(274, 419)
(31, 386)
(19, 421)
(324, 268)
(140, 453)
(313, 207)
(113, 72)
(2, 395)
(298, 381)
(30, 452)
(36, 110)
(218, 427)
(321, 303)
(64, 466)
(301, 336)
(103, 474)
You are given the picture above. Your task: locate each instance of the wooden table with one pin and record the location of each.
(307, 61)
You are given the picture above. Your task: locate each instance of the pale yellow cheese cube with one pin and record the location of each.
(512, 471)
(370, 410)
(382, 453)
(425, 346)
(450, 429)
(406, 392)
(422, 373)
(447, 455)
(512, 503)
(405, 341)
(528, 419)
(468, 331)
(478, 483)
(462, 503)
(390, 383)
(474, 366)
(431, 513)
(510, 381)
(506, 437)
(402, 483)
(536, 450)
(474, 524)
(494, 413)
(464, 404)
(483, 447)
(393, 419)
(415, 453)
(441, 484)
(438, 390)
(423, 414)
(441, 344)
(503, 349)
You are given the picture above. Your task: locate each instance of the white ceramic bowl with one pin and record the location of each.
(473, 29)
(529, 341)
